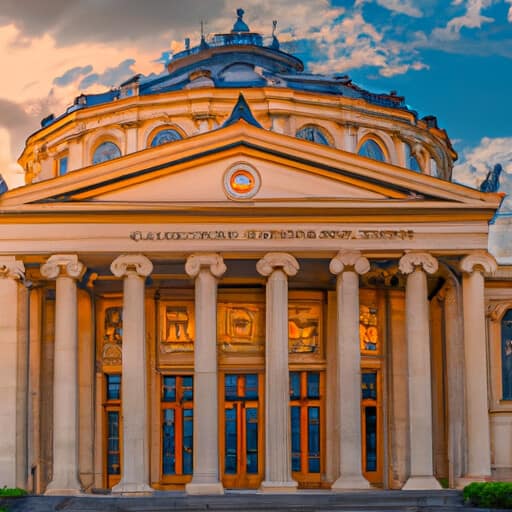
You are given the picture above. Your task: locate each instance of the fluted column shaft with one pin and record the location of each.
(65, 269)
(478, 465)
(135, 455)
(206, 269)
(415, 265)
(11, 271)
(347, 266)
(278, 475)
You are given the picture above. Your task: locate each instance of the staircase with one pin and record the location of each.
(248, 501)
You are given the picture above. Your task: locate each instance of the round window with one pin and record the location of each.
(241, 181)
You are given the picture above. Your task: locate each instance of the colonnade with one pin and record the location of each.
(206, 270)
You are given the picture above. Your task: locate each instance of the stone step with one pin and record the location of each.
(250, 501)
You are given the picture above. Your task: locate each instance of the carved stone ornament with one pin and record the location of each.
(277, 260)
(131, 263)
(11, 268)
(65, 265)
(410, 261)
(349, 261)
(211, 261)
(480, 260)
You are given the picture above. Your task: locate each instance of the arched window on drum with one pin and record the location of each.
(506, 355)
(105, 151)
(313, 134)
(370, 149)
(165, 136)
(411, 161)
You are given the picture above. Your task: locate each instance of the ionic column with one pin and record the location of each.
(416, 265)
(278, 475)
(11, 271)
(347, 266)
(206, 269)
(66, 269)
(135, 457)
(478, 462)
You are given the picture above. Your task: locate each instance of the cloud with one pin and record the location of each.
(71, 75)
(472, 18)
(479, 160)
(406, 7)
(111, 76)
(74, 21)
(509, 14)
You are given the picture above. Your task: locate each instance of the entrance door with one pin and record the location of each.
(242, 455)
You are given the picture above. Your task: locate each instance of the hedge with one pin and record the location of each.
(489, 494)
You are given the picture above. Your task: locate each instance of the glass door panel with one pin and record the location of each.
(242, 433)
(177, 428)
(371, 426)
(306, 416)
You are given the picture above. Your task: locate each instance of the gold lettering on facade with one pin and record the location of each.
(289, 234)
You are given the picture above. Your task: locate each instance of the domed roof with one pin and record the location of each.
(238, 59)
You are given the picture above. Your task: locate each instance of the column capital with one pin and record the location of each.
(349, 261)
(412, 260)
(127, 264)
(63, 265)
(11, 268)
(210, 261)
(277, 260)
(480, 261)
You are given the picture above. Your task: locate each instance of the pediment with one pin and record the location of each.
(193, 171)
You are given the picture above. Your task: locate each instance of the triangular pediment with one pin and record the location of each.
(195, 171)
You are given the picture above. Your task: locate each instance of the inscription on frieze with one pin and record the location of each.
(278, 234)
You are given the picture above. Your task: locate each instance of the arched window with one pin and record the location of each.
(105, 151)
(312, 134)
(433, 168)
(165, 136)
(370, 149)
(410, 160)
(506, 355)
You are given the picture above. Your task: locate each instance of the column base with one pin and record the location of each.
(132, 488)
(63, 488)
(421, 483)
(350, 483)
(198, 489)
(278, 487)
(468, 479)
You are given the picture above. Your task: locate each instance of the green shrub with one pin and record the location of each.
(489, 494)
(7, 492)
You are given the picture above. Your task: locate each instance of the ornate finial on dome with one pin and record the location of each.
(240, 25)
(275, 41)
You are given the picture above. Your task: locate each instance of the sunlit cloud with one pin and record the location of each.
(472, 18)
(406, 7)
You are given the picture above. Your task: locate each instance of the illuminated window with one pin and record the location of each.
(506, 355)
(370, 149)
(105, 151)
(312, 134)
(165, 136)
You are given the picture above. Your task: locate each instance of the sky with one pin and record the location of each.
(449, 58)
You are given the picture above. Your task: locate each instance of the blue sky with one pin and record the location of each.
(449, 58)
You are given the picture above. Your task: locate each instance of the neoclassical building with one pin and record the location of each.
(239, 275)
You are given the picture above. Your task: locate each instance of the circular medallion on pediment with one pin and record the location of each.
(241, 181)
